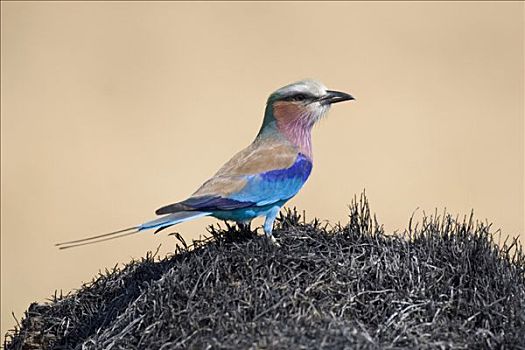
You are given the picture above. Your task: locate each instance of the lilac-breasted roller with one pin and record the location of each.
(258, 180)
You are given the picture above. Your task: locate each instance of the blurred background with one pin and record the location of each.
(110, 110)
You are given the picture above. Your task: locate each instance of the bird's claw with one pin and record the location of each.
(274, 242)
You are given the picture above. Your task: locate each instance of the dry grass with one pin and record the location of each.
(443, 284)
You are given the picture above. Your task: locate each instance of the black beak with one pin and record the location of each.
(334, 97)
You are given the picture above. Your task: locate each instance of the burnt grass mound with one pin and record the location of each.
(444, 283)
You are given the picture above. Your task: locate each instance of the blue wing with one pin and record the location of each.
(275, 185)
(258, 190)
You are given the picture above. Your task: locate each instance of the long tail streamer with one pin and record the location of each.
(158, 224)
(98, 238)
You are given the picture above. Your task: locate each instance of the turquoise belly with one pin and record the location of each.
(245, 214)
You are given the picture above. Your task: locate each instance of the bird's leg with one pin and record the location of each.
(268, 224)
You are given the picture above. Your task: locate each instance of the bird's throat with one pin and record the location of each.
(295, 122)
(290, 122)
(298, 134)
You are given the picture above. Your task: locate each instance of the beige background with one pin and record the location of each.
(110, 110)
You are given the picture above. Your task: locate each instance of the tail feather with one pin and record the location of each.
(134, 229)
(160, 224)
(172, 219)
(73, 245)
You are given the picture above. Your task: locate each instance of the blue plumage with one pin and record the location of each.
(275, 185)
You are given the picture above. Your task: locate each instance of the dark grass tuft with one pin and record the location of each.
(443, 284)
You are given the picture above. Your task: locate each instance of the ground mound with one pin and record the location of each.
(443, 283)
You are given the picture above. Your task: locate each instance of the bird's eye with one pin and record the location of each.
(297, 97)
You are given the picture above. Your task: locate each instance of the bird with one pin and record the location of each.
(261, 178)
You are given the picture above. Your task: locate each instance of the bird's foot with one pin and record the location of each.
(273, 241)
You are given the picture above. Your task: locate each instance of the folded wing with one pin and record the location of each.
(262, 174)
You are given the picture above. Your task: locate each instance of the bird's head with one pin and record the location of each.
(301, 104)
